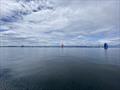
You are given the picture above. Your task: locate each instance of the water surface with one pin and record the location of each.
(59, 68)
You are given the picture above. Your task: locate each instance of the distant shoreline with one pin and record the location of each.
(64, 46)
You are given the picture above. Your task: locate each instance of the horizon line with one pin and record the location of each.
(59, 46)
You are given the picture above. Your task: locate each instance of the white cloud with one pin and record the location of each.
(6, 6)
(75, 22)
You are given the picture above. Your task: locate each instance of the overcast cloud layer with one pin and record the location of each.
(50, 22)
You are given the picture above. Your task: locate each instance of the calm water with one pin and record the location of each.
(59, 69)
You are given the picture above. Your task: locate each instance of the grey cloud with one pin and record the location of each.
(75, 22)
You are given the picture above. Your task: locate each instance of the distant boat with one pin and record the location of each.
(105, 46)
(62, 45)
(22, 45)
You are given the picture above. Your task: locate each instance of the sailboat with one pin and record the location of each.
(105, 43)
(62, 45)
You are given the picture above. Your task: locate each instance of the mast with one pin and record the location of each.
(106, 42)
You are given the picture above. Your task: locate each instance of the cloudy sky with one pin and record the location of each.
(50, 22)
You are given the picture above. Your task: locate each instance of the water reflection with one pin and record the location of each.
(106, 55)
(61, 51)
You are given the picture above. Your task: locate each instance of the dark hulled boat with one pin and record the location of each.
(105, 46)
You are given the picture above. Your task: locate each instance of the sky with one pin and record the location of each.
(52, 22)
